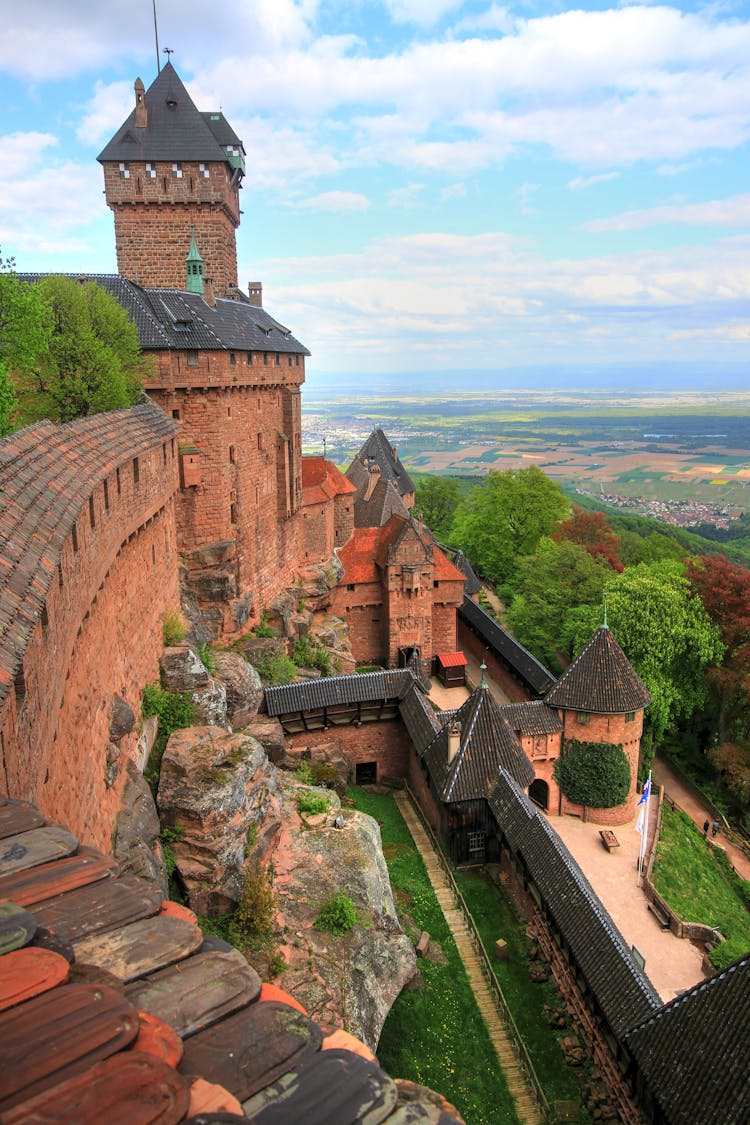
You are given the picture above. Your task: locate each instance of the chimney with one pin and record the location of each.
(454, 741)
(141, 113)
(255, 293)
(374, 478)
(209, 296)
(420, 520)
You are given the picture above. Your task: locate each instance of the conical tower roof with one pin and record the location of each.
(601, 680)
(174, 129)
(486, 744)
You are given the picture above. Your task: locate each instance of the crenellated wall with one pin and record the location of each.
(84, 605)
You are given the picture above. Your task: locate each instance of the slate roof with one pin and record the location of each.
(532, 718)
(379, 451)
(47, 474)
(175, 129)
(417, 669)
(472, 585)
(383, 502)
(487, 744)
(322, 480)
(421, 722)
(693, 1051)
(331, 691)
(507, 648)
(601, 680)
(178, 320)
(622, 990)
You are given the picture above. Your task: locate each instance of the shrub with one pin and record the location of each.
(312, 803)
(274, 667)
(208, 659)
(174, 629)
(337, 915)
(175, 710)
(252, 921)
(264, 630)
(311, 654)
(276, 964)
(304, 773)
(596, 774)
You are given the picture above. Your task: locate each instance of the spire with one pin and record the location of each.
(604, 599)
(601, 680)
(483, 681)
(194, 267)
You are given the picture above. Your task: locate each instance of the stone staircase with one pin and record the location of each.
(520, 1089)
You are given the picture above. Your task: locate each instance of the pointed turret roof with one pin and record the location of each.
(486, 744)
(377, 450)
(174, 129)
(601, 680)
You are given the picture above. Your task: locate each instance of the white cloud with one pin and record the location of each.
(425, 13)
(731, 212)
(454, 191)
(580, 183)
(335, 201)
(494, 18)
(525, 194)
(407, 196)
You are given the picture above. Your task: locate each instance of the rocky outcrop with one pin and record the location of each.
(270, 734)
(244, 690)
(135, 839)
(213, 786)
(354, 979)
(183, 670)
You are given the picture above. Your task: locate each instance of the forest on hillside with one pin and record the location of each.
(677, 604)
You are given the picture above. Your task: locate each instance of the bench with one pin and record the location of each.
(609, 839)
(660, 912)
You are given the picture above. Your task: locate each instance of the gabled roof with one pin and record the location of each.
(178, 320)
(487, 743)
(507, 648)
(174, 130)
(331, 691)
(693, 1051)
(357, 556)
(393, 534)
(47, 474)
(601, 680)
(322, 480)
(622, 990)
(377, 450)
(383, 501)
(472, 585)
(421, 722)
(532, 718)
(417, 669)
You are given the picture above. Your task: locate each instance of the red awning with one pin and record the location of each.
(452, 659)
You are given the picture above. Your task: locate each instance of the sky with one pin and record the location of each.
(431, 184)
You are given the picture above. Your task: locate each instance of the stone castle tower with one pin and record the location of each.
(168, 171)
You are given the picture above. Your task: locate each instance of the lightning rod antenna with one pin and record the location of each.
(156, 37)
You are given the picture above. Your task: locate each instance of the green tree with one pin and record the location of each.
(437, 498)
(505, 517)
(558, 578)
(666, 634)
(92, 362)
(25, 329)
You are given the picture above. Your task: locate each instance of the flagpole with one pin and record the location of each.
(642, 824)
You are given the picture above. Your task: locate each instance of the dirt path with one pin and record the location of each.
(687, 800)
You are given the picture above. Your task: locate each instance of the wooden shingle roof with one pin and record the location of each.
(421, 722)
(47, 474)
(622, 991)
(693, 1051)
(507, 648)
(601, 680)
(330, 691)
(486, 745)
(534, 717)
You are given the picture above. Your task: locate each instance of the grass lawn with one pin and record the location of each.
(688, 877)
(495, 918)
(435, 1035)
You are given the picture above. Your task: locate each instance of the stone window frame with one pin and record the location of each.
(630, 716)
(193, 358)
(124, 170)
(150, 170)
(583, 718)
(177, 170)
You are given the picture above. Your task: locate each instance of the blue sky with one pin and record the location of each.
(431, 184)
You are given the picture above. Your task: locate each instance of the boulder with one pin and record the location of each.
(211, 704)
(284, 608)
(198, 634)
(244, 690)
(135, 838)
(213, 786)
(121, 719)
(183, 670)
(353, 979)
(270, 735)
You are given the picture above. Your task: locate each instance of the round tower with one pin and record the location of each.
(601, 699)
(169, 171)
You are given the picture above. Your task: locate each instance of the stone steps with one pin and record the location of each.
(518, 1086)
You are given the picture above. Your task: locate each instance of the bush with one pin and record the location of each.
(312, 803)
(311, 654)
(264, 630)
(175, 710)
(174, 629)
(274, 667)
(208, 659)
(596, 774)
(252, 921)
(337, 915)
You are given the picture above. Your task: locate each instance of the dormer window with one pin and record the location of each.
(124, 170)
(150, 171)
(176, 171)
(204, 172)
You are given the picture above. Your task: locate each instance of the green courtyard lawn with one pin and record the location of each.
(495, 918)
(435, 1035)
(700, 887)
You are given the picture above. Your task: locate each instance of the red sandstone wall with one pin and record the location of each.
(318, 531)
(363, 610)
(607, 728)
(421, 790)
(154, 219)
(234, 414)
(102, 634)
(444, 625)
(343, 514)
(386, 743)
(469, 642)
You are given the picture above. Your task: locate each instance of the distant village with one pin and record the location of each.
(679, 513)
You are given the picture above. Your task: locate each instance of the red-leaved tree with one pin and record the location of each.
(592, 532)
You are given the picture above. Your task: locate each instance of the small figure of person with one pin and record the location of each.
(706, 827)
(714, 828)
